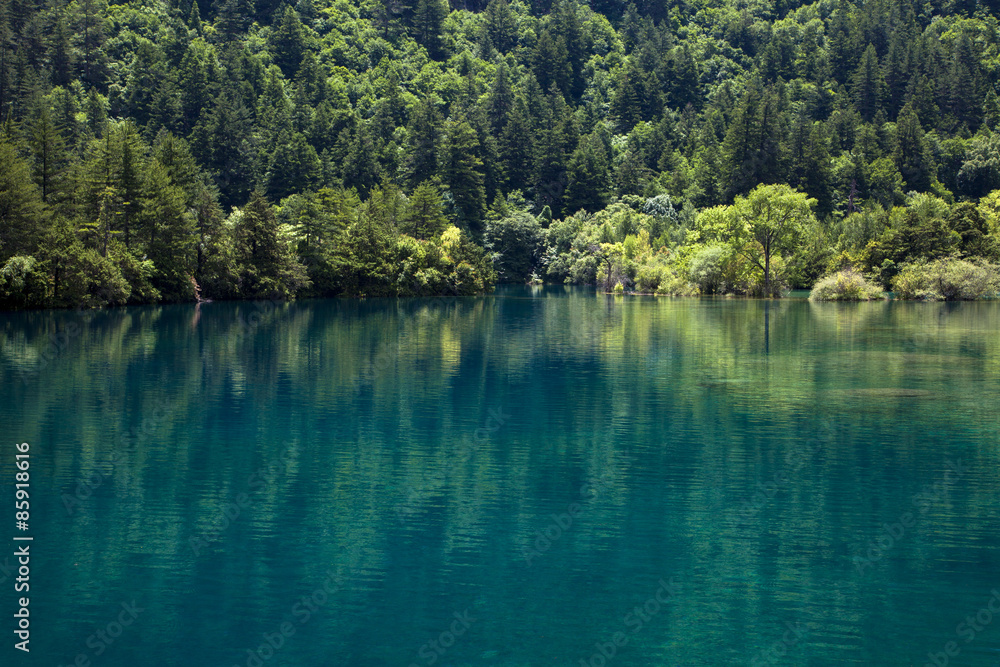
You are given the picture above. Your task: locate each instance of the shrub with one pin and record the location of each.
(845, 285)
(674, 284)
(707, 270)
(948, 279)
(647, 278)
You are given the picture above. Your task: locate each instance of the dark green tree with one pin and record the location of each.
(428, 29)
(424, 217)
(461, 172)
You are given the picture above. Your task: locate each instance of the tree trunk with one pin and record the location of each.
(767, 270)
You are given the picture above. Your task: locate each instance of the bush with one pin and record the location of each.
(515, 242)
(707, 271)
(948, 279)
(647, 278)
(845, 285)
(23, 282)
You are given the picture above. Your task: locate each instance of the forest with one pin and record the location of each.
(176, 150)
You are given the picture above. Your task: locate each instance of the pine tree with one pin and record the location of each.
(424, 218)
(22, 211)
(169, 234)
(912, 155)
(294, 167)
(461, 173)
(424, 132)
(288, 43)
(991, 110)
(266, 264)
(428, 26)
(550, 62)
(515, 148)
(752, 150)
(500, 24)
(868, 85)
(588, 177)
(501, 99)
(131, 163)
(361, 169)
(49, 151)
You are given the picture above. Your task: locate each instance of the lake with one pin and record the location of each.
(543, 476)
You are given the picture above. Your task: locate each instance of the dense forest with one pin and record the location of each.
(170, 150)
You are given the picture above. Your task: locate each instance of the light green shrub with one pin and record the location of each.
(845, 285)
(948, 279)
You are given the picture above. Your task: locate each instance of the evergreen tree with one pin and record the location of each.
(50, 155)
(361, 170)
(294, 167)
(424, 218)
(500, 24)
(21, 206)
(588, 177)
(752, 150)
(169, 234)
(428, 20)
(912, 155)
(288, 42)
(868, 85)
(265, 262)
(424, 133)
(515, 148)
(461, 172)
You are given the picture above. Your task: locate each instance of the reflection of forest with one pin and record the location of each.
(380, 401)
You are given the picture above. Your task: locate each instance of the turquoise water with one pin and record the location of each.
(540, 477)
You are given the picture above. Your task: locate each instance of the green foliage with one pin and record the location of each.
(947, 279)
(766, 223)
(132, 130)
(707, 269)
(514, 243)
(845, 285)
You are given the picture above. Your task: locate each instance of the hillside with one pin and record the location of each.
(152, 151)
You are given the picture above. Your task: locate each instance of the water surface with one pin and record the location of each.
(515, 478)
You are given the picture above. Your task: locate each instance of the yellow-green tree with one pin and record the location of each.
(766, 222)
